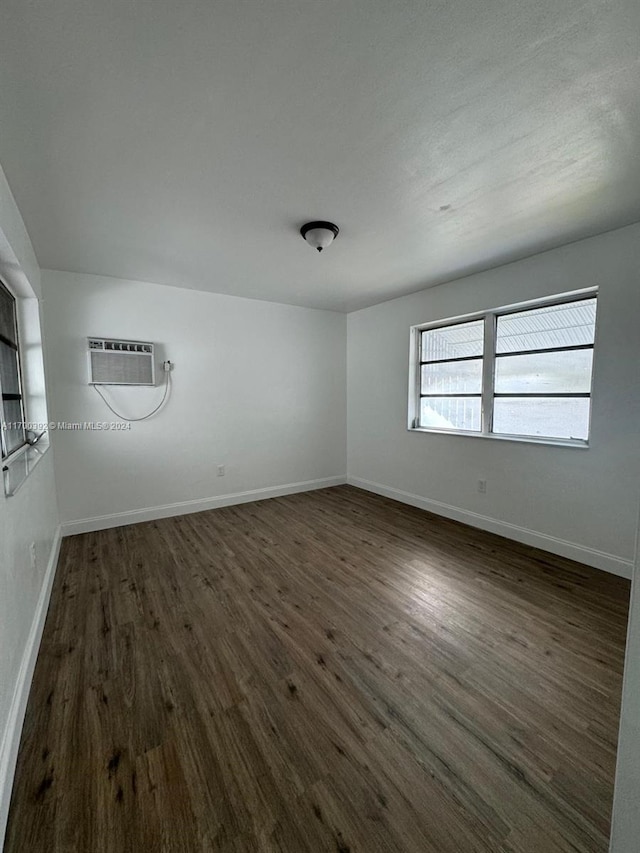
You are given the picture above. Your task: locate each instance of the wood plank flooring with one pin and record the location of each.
(330, 671)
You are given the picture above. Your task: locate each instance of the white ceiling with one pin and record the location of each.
(185, 141)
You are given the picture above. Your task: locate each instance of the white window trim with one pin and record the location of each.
(17, 344)
(21, 461)
(488, 373)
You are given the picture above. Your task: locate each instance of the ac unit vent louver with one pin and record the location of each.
(114, 362)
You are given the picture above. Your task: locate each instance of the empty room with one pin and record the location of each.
(320, 407)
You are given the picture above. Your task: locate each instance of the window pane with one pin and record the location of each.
(566, 325)
(14, 437)
(459, 341)
(451, 413)
(550, 372)
(9, 381)
(452, 377)
(7, 316)
(551, 417)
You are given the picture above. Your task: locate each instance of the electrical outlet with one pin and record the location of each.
(221, 471)
(482, 487)
(33, 556)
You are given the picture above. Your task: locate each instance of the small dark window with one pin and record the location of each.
(11, 402)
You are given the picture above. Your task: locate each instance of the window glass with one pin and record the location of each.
(566, 325)
(452, 377)
(11, 406)
(458, 341)
(530, 378)
(552, 417)
(462, 413)
(567, 371)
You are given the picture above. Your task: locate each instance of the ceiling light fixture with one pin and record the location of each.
(319, 234)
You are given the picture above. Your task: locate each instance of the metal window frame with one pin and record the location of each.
(15, 346)
(415, 420)
(488, 359)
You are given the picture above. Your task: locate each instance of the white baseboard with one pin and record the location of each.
(598, 559)
(118, 519)
(13, 730)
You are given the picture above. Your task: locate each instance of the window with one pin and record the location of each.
(518, 372)
(11, 405)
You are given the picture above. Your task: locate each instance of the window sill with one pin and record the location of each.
(578, 443)
(17, 467)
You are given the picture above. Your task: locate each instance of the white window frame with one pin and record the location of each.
(490, 318)
(20, 462)
(6, 454)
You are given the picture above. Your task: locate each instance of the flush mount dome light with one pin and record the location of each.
(319, 234)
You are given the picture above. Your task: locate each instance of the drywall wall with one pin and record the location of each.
(625, 821)
(258, 387)
(582, 503)
(28, 517)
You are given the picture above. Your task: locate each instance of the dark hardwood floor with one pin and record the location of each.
(329, 671)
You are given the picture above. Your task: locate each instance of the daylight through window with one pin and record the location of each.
(11, 405)
(513, 372)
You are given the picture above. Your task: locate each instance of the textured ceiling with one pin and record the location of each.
(186, 142)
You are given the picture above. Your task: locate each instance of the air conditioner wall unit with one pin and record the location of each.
(116, 362)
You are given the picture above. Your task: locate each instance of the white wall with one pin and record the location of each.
(30, 516)
(625, 821)
(257, 387)
(576, 502)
